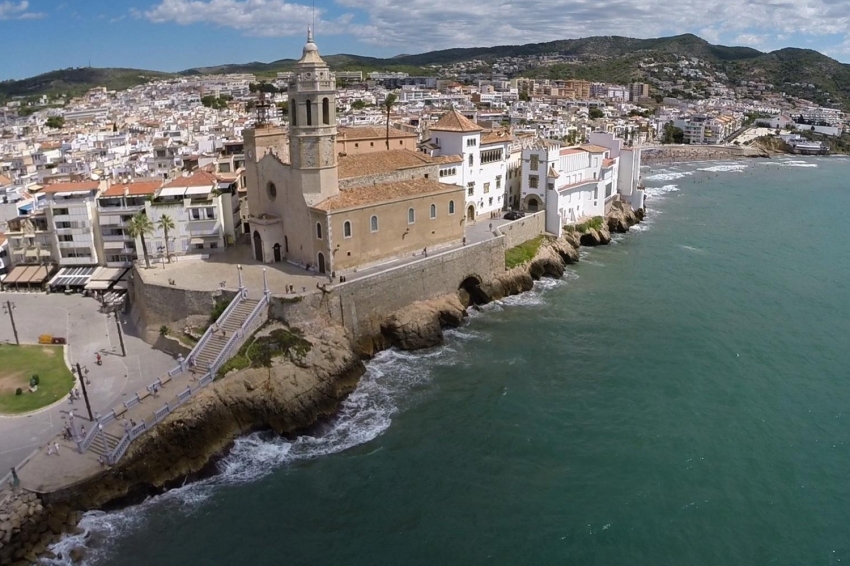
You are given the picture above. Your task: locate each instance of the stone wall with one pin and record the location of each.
(362, 305)
(524, 229)
(155, 305)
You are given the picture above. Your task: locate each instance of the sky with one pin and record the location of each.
(37, 36)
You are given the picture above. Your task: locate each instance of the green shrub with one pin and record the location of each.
(34, 380)
(522, 253)
(19, 391)
(163, 330)
(218, 310)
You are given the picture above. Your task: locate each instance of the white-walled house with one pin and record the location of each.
(573, 183)
(484, 167)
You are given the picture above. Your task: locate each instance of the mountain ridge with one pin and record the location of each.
(612, 58)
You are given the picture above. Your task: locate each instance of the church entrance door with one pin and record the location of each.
(321, 262)
(277, 252)
(470, 213)
(258, 247)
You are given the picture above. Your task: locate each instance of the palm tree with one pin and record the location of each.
(166, 223)
(139, 227)
(388, 104)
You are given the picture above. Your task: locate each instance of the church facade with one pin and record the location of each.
(313, 206)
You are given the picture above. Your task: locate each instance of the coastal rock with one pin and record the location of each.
(420, 325)
(286, 398)
(621, 217)
(595, 237)
(547, 261)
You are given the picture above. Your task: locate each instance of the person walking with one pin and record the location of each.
(15, 480)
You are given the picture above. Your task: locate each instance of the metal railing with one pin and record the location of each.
(221, 319)
(252, 322)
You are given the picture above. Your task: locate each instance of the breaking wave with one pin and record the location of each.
(669, 176)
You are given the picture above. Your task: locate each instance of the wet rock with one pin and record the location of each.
(420, 325)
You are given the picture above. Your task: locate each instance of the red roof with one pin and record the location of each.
(69, 187)
(133, 189)
(198, 179)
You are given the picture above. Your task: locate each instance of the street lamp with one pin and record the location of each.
(8, 308)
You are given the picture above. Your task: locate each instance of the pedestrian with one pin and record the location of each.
(15, 479)
(56, 446)
(71, 398)
(223, 333)
(491, 226)
(464, 240)
(303, 289)
(132, 423)
(83, 430)
(155, 391)
(425, 252)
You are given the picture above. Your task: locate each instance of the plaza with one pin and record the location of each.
(87, 332)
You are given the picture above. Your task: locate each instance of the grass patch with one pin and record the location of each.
(19, 363)
(594, 223)
(522, 253)
(260, 351)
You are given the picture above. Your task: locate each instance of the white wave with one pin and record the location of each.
(669, 176)
(732, 168)
(656, 192)
(691, 249)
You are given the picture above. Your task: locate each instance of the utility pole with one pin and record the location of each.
(9, 307)
(85, 393)
(120, 334)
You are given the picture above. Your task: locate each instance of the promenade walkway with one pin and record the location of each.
(88, 332)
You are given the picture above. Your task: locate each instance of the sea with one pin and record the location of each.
(681, 396)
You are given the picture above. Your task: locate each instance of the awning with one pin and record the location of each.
(104, 277)
(44, 253)
(121, 286)
(15, 274)
(32, 253)
(18, 251)
(194, 241)
(198, 191)
(73, 276)
(172, 192)
(39, 275)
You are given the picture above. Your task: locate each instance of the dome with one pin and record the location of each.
(310, 54)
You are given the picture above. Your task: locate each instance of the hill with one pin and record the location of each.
(77, 81)
(800, 72)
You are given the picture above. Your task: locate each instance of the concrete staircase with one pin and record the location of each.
(113, 437)
(218, 340)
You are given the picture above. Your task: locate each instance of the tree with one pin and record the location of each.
(141, 226)
(55, 122)
(596, 113)
(672, 134)
(358, 104)
(166, 223)
(524, 96)
(388, 104)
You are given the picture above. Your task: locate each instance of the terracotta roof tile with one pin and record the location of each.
(594, 148)
(68, 187)
(369, 132)
(133, 189)
(365, 164)
(454, 121)
(385, 192)
(495, 137)
(198, 179)
(448, 159)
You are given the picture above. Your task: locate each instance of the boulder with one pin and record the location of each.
(421, 324)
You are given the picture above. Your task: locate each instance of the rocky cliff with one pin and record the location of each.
(287, 397)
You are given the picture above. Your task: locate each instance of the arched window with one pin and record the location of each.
(470, 155)
(451, 207)
(326, 111)
(309, 113)
(293, 112)
(373, 224)
(433, 211)
(318, 230)
(411, 216)
(346, 229)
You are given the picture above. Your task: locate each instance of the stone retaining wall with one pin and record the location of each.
(524, 229)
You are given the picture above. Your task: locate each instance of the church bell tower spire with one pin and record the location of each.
(312, 112)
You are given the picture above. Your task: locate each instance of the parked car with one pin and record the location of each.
(514, 215)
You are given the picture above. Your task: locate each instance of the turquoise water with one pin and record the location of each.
(680, 397)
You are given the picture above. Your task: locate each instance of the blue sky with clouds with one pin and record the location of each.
(172, 35)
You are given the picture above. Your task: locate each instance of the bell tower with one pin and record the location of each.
(312, 123)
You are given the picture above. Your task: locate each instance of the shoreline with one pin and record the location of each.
(189, 444)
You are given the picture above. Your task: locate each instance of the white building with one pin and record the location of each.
(198, 212)
(72, 216)
(483, 166)
(116, 207)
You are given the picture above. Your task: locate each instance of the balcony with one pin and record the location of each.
(72, 231)
(117, 238)
(121, 208)
(78, 260)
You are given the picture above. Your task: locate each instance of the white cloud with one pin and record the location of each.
(419, 25)
(17, 11)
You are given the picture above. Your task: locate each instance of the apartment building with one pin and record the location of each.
(116, 207)
(72, 217)
(197, 209)
(30, 239)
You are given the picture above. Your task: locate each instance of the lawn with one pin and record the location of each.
(19, 363)
(522, 253)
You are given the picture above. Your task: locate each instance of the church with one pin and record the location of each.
(315, 206)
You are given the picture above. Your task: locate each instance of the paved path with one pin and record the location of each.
(88, 331)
